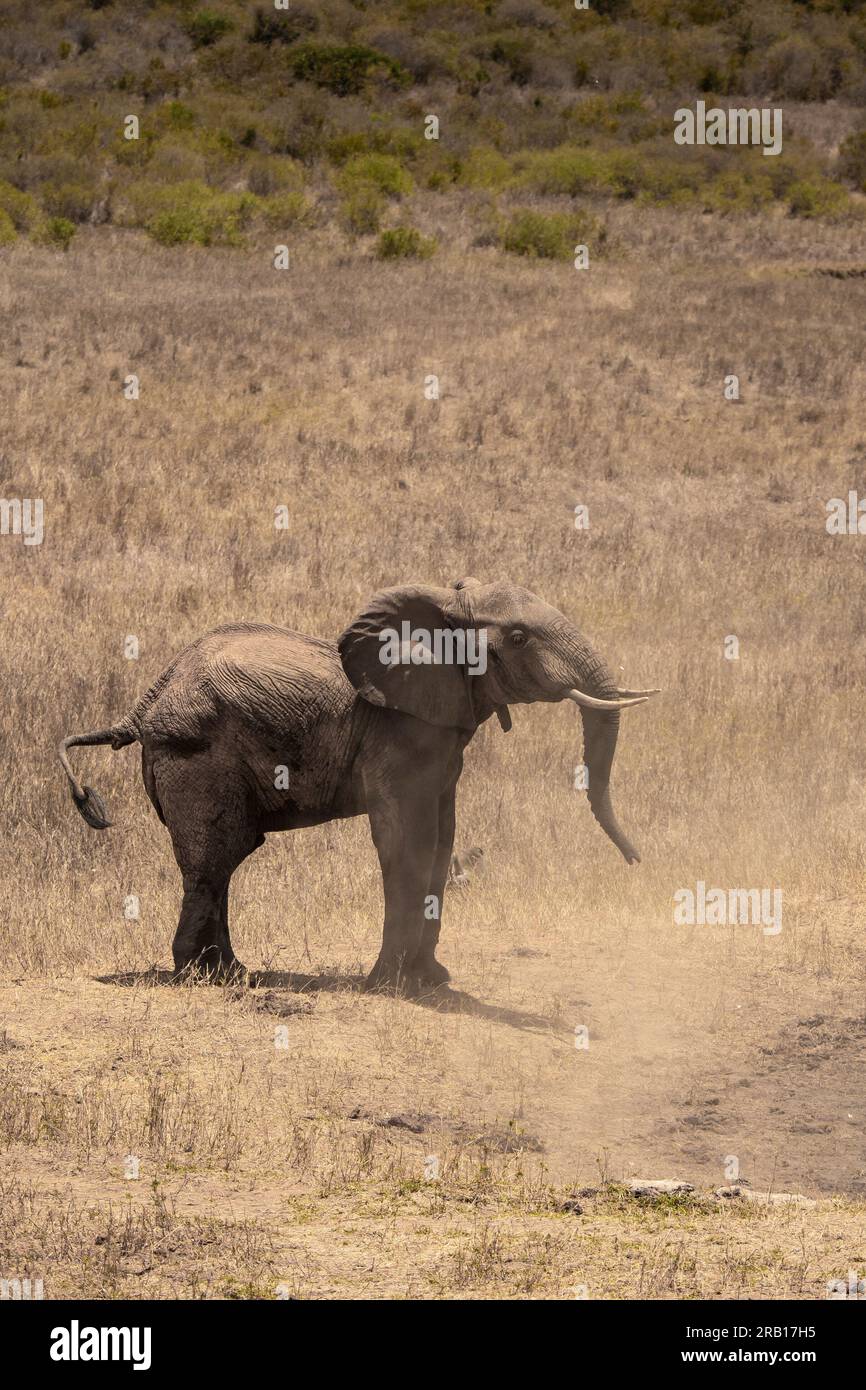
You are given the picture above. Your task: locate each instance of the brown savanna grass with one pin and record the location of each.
(305, 388)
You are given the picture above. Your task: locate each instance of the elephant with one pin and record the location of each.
(255, 728)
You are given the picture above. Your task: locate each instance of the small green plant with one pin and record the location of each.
(273, 173)
(345, 69)
(7, 229)
(273, 28)
(21, 208)
(189, 212)
(404, 243)
(484, 167)
(54, 231)
(818, 197)
(70, 200)
(287, 209)
(361, 210)
(365, 181)
(734, 192)
(205, 28)
(382, 172)
(550, 236)
(176, 115)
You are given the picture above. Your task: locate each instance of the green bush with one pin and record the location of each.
(565, 170)
(382, 172)
(190, 212)
(73, 201)
(735, 191)
(273, 28)
(269, 174)
(404, 242)
(21, 208)
(288, 209)
(205, 28)
(176, 115)
(817, 197)
(345, 69)
(674, 180)
(484, 167)
(550, 236)
(393, 140)
(361, 210)
(7, 229)
(512, 51)
(54, 231)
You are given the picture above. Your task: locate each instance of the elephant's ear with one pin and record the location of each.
(434, 691)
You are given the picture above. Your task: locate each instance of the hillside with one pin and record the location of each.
(252, 119)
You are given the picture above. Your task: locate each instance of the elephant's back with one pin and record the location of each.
(268, 676)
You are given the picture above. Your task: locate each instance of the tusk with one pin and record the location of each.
(637, 694)
(591, 703)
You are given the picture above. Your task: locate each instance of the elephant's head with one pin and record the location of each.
(454, 656)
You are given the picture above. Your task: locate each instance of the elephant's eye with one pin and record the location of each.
(518, 638)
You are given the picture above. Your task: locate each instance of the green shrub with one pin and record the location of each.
(512, 51)
(273, 28)
(7, 229)
(73, 201)
(190, 212)
(735, 191)
(564, 170)
(404, 242)
(394, 140)
(817, 197)
(852, 160)
(54, 231)
(288, 209)
(550, 236)
(361, 210)
(671, 179)
(205, 28)
(345, 69)
(484, 167)
(176, 115)
(21, 208)
(178, 225)
(609, 112)
(269, 174)
(382, 172)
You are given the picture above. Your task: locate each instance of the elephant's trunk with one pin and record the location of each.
(600, 713)
(600, 731)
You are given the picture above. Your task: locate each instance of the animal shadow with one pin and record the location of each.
(443, 999)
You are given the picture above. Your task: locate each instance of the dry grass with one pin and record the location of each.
(267, 1165)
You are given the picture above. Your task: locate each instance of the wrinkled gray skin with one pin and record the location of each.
(358, 737)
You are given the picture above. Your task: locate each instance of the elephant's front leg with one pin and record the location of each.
(406, 834)
(428, 969)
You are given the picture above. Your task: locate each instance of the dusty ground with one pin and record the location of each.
(301, 1158)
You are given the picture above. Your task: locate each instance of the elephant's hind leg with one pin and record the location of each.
(212, 831)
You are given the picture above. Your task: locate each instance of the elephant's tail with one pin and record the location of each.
(89, 802)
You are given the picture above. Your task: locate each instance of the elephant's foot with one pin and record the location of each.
(211, 968)
(430, 972)
(390, 976)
